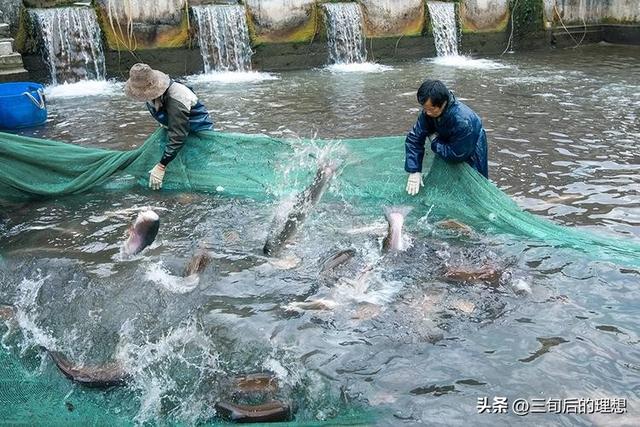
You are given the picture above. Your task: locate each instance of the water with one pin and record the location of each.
(72, 43)
(445, 31)
(223, 36)
(344, 33)
(399, 339)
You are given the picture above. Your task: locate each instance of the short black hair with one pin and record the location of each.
(434, 90)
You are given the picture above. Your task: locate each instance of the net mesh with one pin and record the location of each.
(237, 165)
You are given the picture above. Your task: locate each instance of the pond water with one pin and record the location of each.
(563, 131)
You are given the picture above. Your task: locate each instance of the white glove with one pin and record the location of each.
(414, 183)
(156, 176)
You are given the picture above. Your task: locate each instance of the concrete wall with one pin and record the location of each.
(625, 11)
(392, 18)
(145, 11)
(484, 15)
(575, 11)
(282, 20)
(133, 24)
(289, 34)
(572, 12)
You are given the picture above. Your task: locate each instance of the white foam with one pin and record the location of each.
(27, 315)
(231, 77)
(459, 61)
(160, 369)
(361, 67)
(174, 284)
(84, 88)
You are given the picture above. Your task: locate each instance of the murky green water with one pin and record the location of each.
(563, 132)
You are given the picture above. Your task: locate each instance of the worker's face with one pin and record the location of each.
(431, 110)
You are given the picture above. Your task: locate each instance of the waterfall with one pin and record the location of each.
(344, 33)
(223, 36)
(443, 22)
(72, 43)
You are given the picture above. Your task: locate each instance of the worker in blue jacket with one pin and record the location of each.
(173, 105)
(459, 135)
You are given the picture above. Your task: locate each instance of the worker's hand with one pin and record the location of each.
(156, 175)
(414, 183)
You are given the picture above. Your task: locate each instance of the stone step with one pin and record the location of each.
(11, 61)
(6, 46)
(15, 75)
(4, 30)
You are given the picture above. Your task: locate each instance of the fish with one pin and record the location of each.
(198, 263)
(337, 259)
(7, 312)
(258, 382)
(110, 374)
(394, 240)
(303, 204)
(486, 274)
(455, 226)
(315, 304)
(142, 232)
(266, 412)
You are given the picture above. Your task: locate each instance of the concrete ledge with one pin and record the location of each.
(4, 30)
(174, 61)
(11, 61)
(6, 46)
(611, 33)
(16, 75)
(621, 34)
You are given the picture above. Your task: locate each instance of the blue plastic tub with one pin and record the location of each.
(22, 104)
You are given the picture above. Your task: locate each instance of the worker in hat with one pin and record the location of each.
(173, 105)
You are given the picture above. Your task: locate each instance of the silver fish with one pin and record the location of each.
(337, 259)
(304, 202)
(142, 233)
(394, 240)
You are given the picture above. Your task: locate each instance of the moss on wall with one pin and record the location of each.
(468, 25)
(157, 36)
(527, 17)
(25, 40)
(48, 3)
(304, 33)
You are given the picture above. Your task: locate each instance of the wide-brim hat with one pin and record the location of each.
(145, 83)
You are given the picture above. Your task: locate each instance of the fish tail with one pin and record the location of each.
(402, 210)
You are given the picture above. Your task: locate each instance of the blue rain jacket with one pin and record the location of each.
(460, 138)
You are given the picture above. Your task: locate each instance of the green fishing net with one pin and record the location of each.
(238, 165)
(235, 165)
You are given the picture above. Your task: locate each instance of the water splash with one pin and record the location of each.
(443, 21)
(223, 36)
(344, 33)
(233, 77)
(84, 88)
(26, 309)
(361, 67)
(72, 43)
(158, 274)
(171, 373)
(466, 62)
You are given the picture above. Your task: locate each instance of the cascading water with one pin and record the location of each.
(223, 35)
(72, 43)
(443, 21)
(344, 33)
